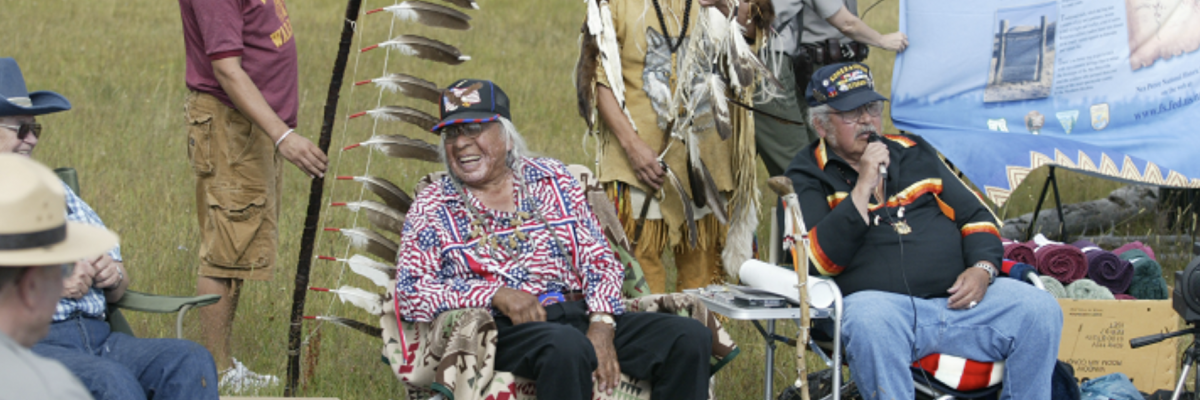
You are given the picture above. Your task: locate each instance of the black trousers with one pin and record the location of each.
(669, 351)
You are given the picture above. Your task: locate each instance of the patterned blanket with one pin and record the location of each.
(454, 354)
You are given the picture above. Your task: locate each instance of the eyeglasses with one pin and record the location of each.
(469, 130)
(874, 109)
(68, 269)
(25, 129)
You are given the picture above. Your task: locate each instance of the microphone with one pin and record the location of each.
(882, 168)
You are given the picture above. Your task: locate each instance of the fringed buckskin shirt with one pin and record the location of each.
(951, 227)
(440, 268)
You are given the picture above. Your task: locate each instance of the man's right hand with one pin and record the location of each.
(306, 155)
(80, 281)
(874, 156)
(644, 162)
(895, 41)
(519, 306)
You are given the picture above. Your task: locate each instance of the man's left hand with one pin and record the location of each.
(970, 287)
(109, 272)
(608, 371)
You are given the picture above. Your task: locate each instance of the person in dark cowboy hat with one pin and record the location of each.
(38, 247)
(111, 365)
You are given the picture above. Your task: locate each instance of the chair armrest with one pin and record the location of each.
(138, 301)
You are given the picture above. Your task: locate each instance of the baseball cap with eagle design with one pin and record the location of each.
(472, 101)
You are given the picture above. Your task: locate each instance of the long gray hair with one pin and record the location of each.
(512, 138)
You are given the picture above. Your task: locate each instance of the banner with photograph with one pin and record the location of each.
(1002, 87)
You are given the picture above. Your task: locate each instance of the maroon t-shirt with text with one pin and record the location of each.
(260, 32)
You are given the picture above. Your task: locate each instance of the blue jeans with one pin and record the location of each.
(114, 365)
(1015, 322)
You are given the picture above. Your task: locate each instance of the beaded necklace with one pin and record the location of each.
(488, 241)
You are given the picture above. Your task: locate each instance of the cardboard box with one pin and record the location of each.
(1096, 334)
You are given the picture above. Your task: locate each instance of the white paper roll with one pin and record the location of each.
(782, 281)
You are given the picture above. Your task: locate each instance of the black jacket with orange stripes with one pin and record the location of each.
(951, 228)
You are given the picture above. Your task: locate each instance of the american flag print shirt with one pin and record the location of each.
(440, 268)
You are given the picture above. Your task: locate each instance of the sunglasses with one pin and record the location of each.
(874, 108)
(469, 130)
(25, 129)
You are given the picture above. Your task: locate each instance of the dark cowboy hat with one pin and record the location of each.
(15, 98)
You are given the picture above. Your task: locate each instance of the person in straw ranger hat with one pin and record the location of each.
(38, 248)
(111, 365)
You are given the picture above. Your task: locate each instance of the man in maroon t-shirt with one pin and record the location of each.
(242, 73)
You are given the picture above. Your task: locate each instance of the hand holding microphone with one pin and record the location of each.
(875, 138)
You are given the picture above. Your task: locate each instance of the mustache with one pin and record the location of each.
(868, 129)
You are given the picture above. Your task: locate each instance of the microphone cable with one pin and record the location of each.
(903, 267)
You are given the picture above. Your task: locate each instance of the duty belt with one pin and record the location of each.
(831, 52)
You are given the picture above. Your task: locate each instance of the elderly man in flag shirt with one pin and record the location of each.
(513, 233)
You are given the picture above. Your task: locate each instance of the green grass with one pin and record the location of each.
(121, 63)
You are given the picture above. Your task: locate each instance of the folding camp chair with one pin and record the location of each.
(138, 301)
(943, 377)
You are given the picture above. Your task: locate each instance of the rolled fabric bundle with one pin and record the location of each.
(1124, 296)
(1106, 268)
(1020, 252)
(1017, 270)
(1148, 283)
(1136, 246)
(1053, 286)
(1062, 261)
(1087, 289)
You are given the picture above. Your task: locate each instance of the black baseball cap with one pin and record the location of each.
(843, 86)
(472, 101)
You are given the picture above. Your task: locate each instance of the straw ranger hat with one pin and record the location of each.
(33, 227)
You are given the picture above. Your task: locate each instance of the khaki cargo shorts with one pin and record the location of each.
(238, 181)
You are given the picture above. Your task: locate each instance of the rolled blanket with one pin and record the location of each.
(1054, 287)
(1087, 289)
(1020, 252)
(1062, 261)
(1123, 296)
(1148, 282)
(1106, 268)
(1136, 246)
(1017, 270)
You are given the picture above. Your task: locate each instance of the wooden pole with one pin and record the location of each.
(782, 186)
(316, 191)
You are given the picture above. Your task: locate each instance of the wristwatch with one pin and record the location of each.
(992, 272)
(604, 318)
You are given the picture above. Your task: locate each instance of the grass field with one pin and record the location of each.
(121, 63)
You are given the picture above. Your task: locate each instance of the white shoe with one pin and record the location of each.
(239, 379)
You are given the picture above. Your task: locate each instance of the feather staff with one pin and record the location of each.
(400, 146)
(380, 215)
(370, 330)
(429, 14)
(379, 273)
(391, 194)
(363, 299)
(407, 85)
(401, 113)
(372, 242)
(316, 190)
(423, 48)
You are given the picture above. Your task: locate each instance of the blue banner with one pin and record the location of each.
(1002, 87)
